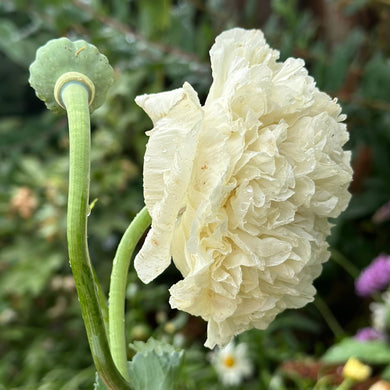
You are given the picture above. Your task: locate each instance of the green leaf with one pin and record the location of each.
(294, 320)
(340, 61)
(372, 352)
(386, 373)
(155, 357)
(14, 44)
(154, 16)
(376, 75)
(154, 367)
(27, 269)
(99, 385)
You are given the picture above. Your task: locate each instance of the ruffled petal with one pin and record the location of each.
(240, 190)
(169, 156)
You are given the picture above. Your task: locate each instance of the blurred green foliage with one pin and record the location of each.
(156, 45)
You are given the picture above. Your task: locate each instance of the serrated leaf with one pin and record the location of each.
(153, 345)
(371, 352)
(154, 367)
(158, 358)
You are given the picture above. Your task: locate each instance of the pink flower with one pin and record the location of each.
(375, 277)
(368, 334)
(382, 214)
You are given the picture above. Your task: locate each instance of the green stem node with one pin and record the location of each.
(76, 78)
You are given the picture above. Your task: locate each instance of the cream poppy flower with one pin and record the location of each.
(240, 189)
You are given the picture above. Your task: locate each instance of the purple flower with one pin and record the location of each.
(375, 277)
(382, 214)
(368, 334)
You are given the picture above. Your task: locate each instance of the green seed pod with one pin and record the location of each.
(62, 56)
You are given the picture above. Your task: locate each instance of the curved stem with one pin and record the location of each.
(75, 98)
(102, 300)
(118, 283)
(346, 384)
(343, 262)
(328, 316)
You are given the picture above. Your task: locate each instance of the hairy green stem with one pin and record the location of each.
(119, 273)
(329, 318)
(343, 262)
(75, 98)
(101, 299)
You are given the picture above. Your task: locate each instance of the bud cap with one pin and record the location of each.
(59, 56)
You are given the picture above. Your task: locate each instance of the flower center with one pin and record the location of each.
(229, 361)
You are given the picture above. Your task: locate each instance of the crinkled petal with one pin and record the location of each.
(167, 170)
(242, 196)
(234, 50)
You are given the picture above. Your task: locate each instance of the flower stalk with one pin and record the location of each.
(75, 98)
(346, 384)
(74, 77)
(118, 288)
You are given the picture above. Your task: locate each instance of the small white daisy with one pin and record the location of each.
(380, 312)
(232, 363)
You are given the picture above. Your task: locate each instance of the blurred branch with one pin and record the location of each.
(118, 26)
(374, 104)
(198, 4)
(385, 2)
